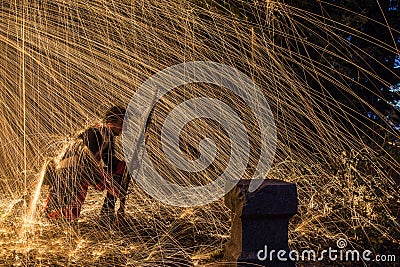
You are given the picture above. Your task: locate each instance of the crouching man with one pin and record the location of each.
(89, 160)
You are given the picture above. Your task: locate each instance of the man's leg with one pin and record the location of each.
(107, 212)
(72, 211)
(108, 205)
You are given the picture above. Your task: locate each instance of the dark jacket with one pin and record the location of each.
(100, 141)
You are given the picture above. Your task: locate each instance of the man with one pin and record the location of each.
(80, 166)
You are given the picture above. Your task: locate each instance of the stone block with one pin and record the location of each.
(260, 222)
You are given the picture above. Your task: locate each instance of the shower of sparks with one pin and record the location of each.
(63, 63)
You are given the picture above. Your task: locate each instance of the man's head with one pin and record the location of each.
(114, 118)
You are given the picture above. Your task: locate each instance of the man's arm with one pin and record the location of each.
(109, 157)
(93, 140)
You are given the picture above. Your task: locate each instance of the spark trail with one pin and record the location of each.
(63, 63)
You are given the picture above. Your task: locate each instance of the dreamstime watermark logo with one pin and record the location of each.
(204, 107)
(341, 243)
(330, 254)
